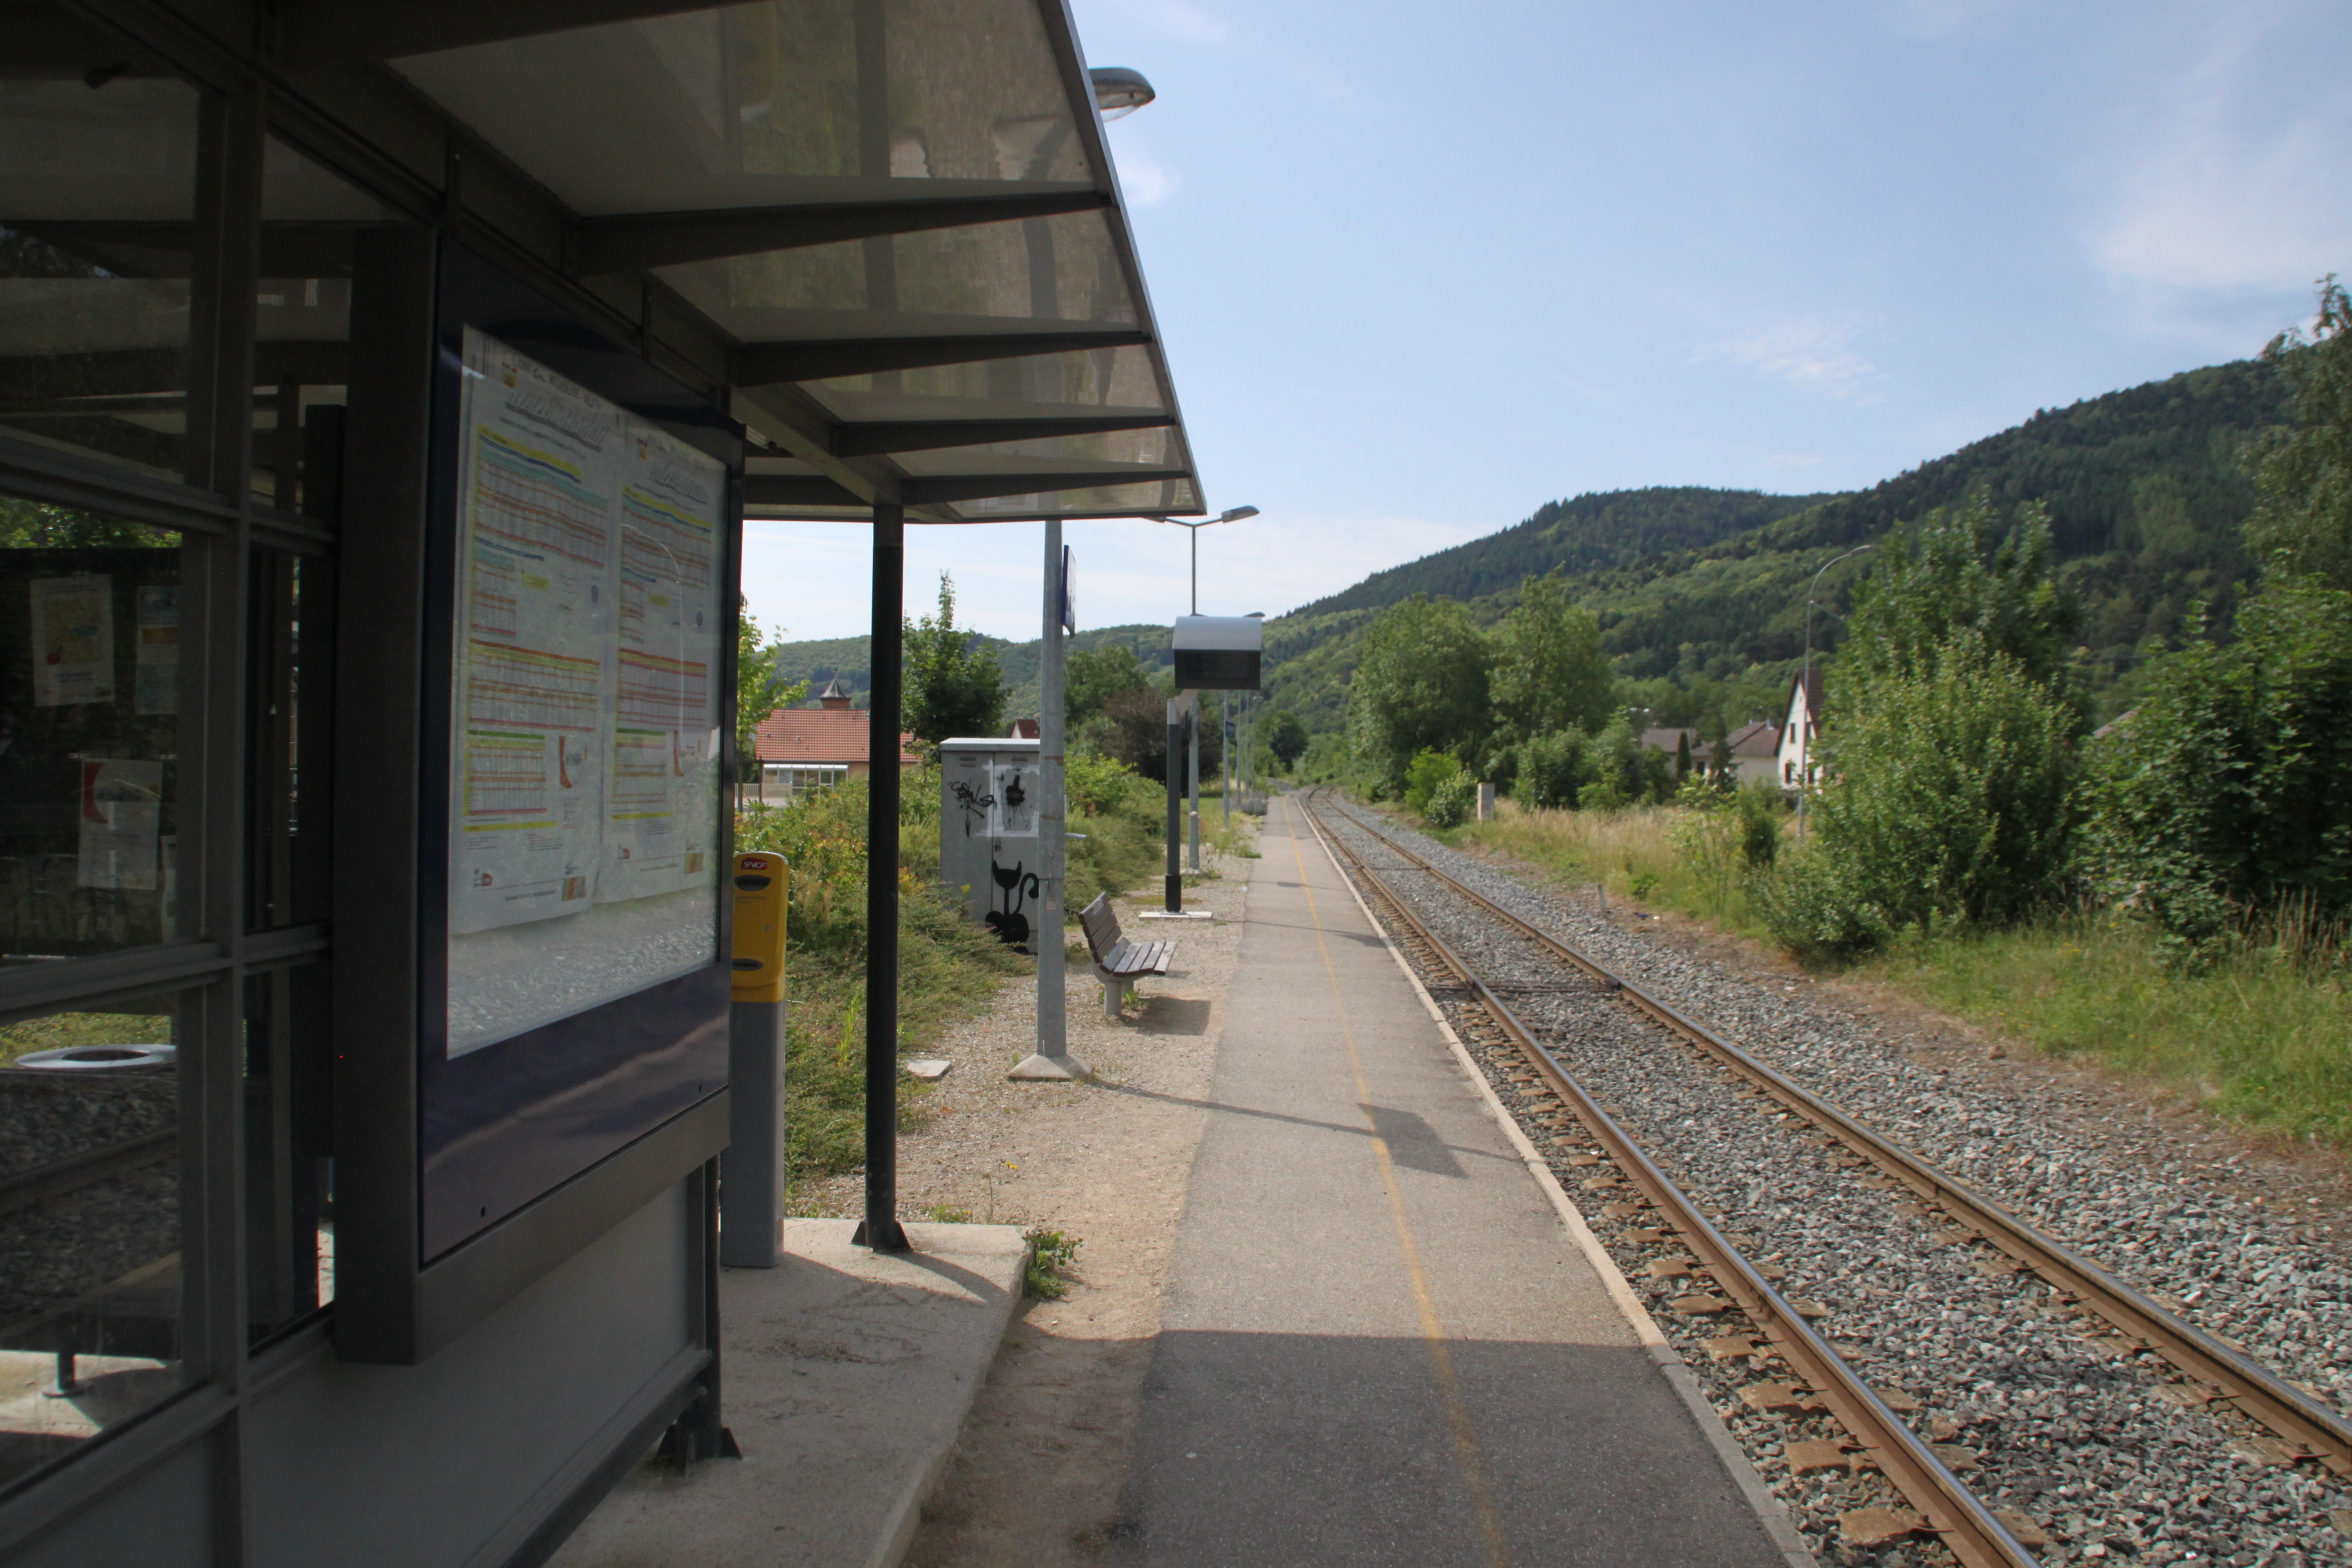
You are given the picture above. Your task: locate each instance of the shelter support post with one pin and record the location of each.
(1175, 900)
(1192, 785)
(1052, 1059)
(880, 1230)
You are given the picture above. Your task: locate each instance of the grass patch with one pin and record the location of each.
(2259, 1038)
(1050, 1252)
(58, 1031)
(2262, 1038)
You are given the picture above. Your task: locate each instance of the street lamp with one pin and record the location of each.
(1234, 516)
(1805, 685)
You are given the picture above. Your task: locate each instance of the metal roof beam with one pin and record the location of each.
(981, 487)
(314, 33)
(881, 436)
(798, 490)
(668, 239)
(766, 364)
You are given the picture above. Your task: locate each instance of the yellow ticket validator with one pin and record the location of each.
(761, 881)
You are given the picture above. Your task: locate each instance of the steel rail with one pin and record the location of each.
(2315, 1431)
(44, 1184)
(1947, 1507)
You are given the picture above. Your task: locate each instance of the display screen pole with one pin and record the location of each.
(881, 1230)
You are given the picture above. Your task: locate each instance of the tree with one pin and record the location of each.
(760, 689)
(2221, 801)
(1957, 570)
(2303, 526)
(1286, 737)
(1092, 678)
(1135, 731)
(1420, 685)
(1951, 798)
(953, 684)
(1549, 671)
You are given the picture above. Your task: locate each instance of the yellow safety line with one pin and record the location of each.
(1490, 1522)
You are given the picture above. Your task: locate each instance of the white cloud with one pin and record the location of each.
(2228, 168)
(1808, 353)
(1145, 182)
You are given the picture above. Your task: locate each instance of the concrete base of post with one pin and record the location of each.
(1038, 1068)
(1174, 914)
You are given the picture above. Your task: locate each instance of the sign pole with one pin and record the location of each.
(1052, 1059)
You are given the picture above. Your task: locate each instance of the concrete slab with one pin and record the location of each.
(847, 1376)
(1380, 1343)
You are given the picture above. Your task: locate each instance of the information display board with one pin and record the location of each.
(585, 717)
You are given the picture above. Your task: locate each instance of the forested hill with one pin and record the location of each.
(2146, 492)
(1590, 533)
(1701, 593)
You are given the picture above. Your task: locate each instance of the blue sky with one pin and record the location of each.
(1421, 268)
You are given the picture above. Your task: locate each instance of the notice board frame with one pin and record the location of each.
(563, 1131)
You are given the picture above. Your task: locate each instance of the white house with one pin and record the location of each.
(1797, 733)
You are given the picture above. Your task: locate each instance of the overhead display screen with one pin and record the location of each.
(585, 717)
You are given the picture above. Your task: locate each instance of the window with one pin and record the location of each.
(97, 191)
(90, 722)
(90, 1120)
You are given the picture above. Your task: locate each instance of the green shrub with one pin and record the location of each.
(1951, 798)
(1760, 810)
(1452, 802)
(1816, 909)
(1423, 776)
(1553, 767)
(2227, 794)
(1603, 794)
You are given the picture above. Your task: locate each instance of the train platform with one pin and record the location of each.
(1386, 1338)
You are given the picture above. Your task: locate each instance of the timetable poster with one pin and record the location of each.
(535, 640)
(661, 823)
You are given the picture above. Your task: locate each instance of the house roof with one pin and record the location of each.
(1760, 739)
(1811, 681)
(820, 735)
(1668, 740)
(1024, 729)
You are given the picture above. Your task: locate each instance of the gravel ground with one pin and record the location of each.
(2056, 1426)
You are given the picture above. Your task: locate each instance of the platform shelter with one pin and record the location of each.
(382, 390)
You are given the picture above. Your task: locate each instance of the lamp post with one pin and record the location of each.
(1805, 685)
(1193, 769)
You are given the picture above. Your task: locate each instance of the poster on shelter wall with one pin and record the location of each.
(661, 819)
(73, 640)
(155, 670)
(536, 641)
(121, 822)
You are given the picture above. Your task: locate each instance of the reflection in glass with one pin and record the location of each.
(291, 604)
(96, 197)
(289, 1216)
(89, 732)
(89, 1226)
(302, 328)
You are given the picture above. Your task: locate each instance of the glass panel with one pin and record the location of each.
(289, 1185)
(287, 841)
(302, 316)
(970, 279)
(762, 105)
(89, 1226)
(90, 710)
(584, 745)
(97, 182)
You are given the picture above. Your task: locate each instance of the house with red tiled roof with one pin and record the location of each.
(802, 749)
(1753, 752)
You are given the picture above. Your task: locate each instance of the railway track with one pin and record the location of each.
(2137, 1331)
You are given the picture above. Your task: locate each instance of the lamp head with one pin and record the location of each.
(1119, 91)
(1237, 514)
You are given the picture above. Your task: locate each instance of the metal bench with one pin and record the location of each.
(1118, 961)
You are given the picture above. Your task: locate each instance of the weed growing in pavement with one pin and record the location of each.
(1050, 1252)
(946, 1214)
